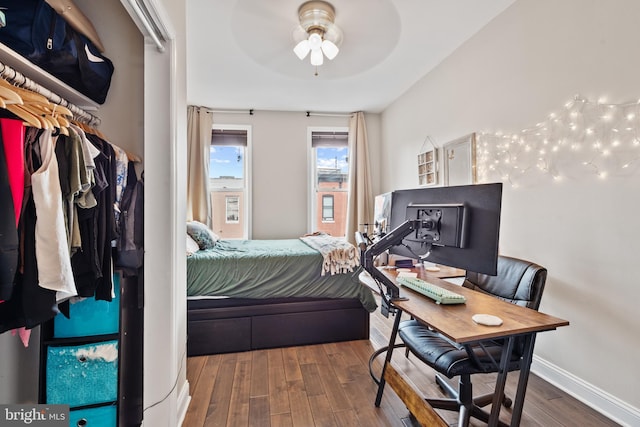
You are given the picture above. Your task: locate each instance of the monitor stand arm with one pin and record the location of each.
(393, 238)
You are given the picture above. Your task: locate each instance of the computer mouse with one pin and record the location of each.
(487, 319)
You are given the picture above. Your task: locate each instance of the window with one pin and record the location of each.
(329, 171)
(229, 181)
(233, 209)
(327, 208)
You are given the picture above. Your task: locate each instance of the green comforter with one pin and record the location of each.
(269, 269)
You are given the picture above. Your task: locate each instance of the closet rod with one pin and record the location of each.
(19, 79)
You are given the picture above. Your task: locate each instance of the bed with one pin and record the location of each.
(256, 294)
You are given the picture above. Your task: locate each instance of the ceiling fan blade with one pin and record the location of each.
(317, 58)
(329, 49)
(302, 49)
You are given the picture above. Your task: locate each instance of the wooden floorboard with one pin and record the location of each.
(330, 385)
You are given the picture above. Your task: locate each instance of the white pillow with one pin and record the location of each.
(192, 246)
(204, 237)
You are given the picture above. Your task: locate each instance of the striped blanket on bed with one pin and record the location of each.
(339, 256)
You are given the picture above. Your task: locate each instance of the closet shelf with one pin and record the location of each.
(37, 74)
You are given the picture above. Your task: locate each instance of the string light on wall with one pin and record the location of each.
(590, 137)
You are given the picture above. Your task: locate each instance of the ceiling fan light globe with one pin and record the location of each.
(330, 49)
(302, 49)
(315, 41)
(316, 57)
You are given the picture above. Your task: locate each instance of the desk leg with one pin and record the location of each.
(392, 341)
(500, 382)
(525, 368)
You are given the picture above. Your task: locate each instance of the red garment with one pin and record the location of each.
(13, 142)
(13, 139)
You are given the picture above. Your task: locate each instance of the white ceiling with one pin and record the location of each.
(239, 52)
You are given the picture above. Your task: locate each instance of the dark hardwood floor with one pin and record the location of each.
(330, 385)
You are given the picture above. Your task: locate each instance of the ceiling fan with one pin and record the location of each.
(317, 33)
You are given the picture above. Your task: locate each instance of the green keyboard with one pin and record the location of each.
(436, 293)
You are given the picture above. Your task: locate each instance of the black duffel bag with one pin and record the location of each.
(37, 32)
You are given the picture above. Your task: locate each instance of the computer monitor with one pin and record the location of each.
(459, 225)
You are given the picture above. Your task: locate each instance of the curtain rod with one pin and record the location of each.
(19, 79)
(211, 110)
(252, 111)
(309, 114)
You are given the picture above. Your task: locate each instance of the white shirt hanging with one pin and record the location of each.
(52, 251)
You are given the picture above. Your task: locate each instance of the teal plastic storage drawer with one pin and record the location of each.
(90, 317)
(82, 374)
(101, 416)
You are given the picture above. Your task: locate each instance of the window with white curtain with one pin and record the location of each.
(329, 172)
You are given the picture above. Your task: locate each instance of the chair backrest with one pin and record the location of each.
(518, 281)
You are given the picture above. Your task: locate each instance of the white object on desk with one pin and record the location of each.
(432, 268)
(487, 319)
(407, 274)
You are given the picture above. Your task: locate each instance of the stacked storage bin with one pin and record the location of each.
(80, 361)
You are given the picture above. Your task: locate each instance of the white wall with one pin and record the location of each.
(279, 151)
(19, 368)
(166, 390)
(522, 66)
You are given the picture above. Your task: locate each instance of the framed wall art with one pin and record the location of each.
(460, 161)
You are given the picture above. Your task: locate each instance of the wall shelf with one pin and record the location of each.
(428, 167)
(38, 75)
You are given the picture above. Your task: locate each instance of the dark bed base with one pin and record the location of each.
(232, 325)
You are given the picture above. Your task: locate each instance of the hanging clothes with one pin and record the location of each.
(8, 228)
(92, 266)
(13, 141)
(60, 200)
(106, 217)
(73, 178)
(122, 171)
(30, 305)
(60, 192)
(52, 254)
(89, 153)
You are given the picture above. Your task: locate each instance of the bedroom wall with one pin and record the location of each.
(280, 166)
(525, 64)
(121, 117)
(166, 390)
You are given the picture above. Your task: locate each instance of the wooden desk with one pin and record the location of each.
(454, 322)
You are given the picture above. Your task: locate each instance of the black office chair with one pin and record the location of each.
(519, 282)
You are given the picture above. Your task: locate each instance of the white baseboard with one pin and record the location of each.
(183, 403)
(601, 401)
